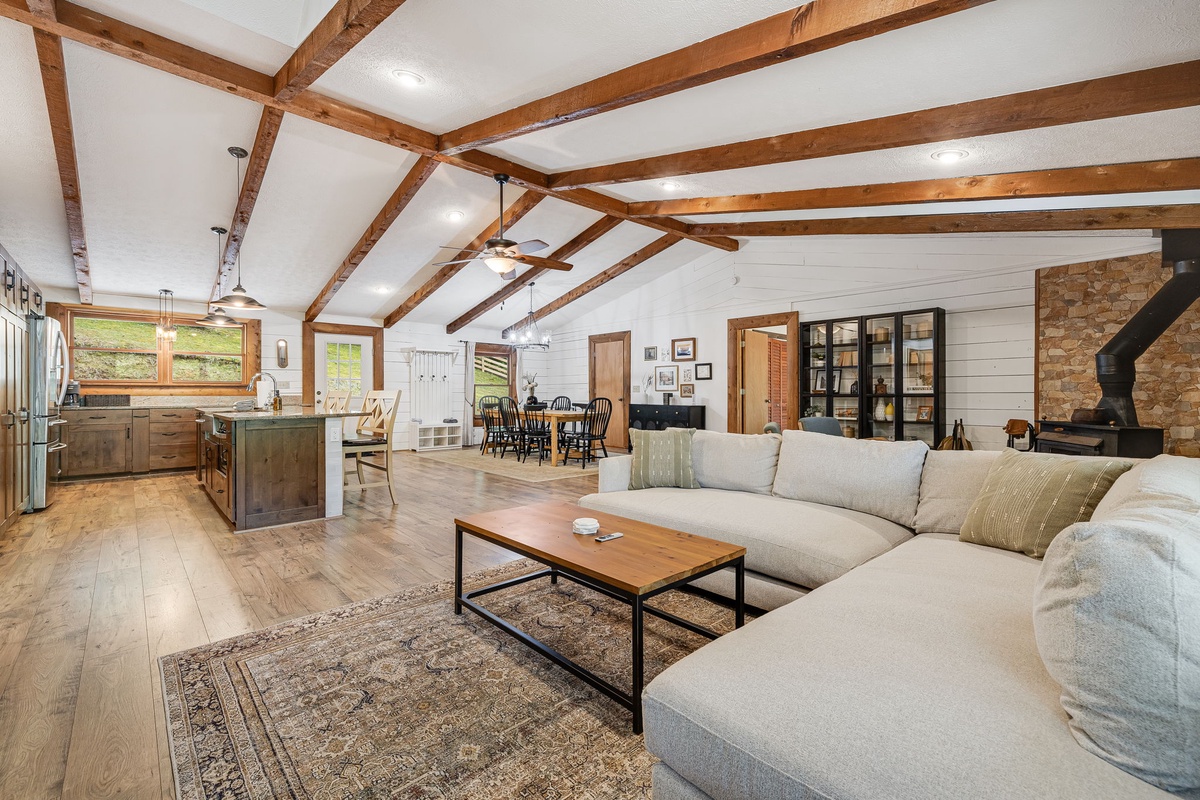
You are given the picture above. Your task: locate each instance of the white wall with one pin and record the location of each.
(989, 323)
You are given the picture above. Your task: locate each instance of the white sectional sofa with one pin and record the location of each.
(907, 668)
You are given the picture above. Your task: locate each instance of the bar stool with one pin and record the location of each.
(374, 433)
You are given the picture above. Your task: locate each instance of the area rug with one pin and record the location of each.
(398, 697)
(509, 467)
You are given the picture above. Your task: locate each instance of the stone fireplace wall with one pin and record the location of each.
(1080, 307)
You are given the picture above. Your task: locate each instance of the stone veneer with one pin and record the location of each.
(1080, 307)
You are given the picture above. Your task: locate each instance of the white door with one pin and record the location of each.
(343, 363)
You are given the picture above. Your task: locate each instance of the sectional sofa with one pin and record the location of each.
(908, 665)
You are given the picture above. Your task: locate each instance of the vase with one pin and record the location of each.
(880, 410)
(889, 413)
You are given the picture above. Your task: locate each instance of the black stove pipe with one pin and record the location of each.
(1115, 368)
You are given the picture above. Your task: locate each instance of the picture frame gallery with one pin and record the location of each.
(666, 378)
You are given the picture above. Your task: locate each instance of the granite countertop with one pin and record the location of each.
(288, 412)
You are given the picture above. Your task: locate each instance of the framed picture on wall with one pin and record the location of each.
(666, 379)
(687, 375)
(683, 349)
(704, 372)
(687, 390)
(649, 354)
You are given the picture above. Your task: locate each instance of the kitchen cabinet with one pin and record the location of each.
(157, 439)
(98, 449)
(18, 297)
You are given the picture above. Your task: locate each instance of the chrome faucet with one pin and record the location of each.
(276, 398)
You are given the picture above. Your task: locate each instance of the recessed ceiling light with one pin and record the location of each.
(670, 186)
(455, 216)
(950, 156)
(383, 290)
(407, 77)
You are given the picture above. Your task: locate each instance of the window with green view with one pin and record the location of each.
(114, 350)
(343, 367)
(493, 376)
(207, 355)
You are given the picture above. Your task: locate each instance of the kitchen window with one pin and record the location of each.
(118, 349)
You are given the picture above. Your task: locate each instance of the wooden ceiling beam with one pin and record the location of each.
(1145, 176)
(811, 28)
(511, 215)
(1074, 219)
(615, 271)
(43, 8)
(1141, 92)
(346, 24)
(256, 169)
(593, 232)
(58, 104)
(421, 172)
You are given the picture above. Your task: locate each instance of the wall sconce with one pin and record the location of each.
(281, 354)
(10, 280)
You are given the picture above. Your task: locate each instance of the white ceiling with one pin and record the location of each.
(155, 174)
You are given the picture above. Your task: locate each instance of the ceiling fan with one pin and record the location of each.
(503, 255)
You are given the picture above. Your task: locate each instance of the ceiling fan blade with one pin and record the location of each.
(459, 261)
(531, 246)
(544, 263)
(460, 249)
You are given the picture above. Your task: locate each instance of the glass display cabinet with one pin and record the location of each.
(880, 376)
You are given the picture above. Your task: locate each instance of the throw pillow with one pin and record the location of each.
(662, 458)
(950, 482)
(1029, 498)
(1117, 618)
(736, 462)
(878, 478)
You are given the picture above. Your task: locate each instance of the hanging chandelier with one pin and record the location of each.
(217, 318)
(527, 335)
(165, 329)
(238, 298)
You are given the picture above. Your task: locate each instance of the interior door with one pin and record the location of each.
(343, 363)
(756, 381)
(609, 377)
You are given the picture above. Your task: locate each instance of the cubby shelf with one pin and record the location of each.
(444, 436)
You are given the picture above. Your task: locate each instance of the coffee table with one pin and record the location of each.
(647, 561)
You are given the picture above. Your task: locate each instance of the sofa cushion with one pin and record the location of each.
(1029, 498)
(803, 543)
(735, 461)
(883, 684)
(662, 458)
(879, 478)
(1117, 615)
(950, 482)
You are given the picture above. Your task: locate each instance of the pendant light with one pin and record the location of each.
(527, 335)
(217, 318)
(238, 297)
(165, 329)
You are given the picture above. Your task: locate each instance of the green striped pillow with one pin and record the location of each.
(1029, 498)
(662, 458)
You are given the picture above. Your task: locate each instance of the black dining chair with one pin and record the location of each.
(535, 432)
(489, 411)
(563, 403)
(591, 432)
(511, 433)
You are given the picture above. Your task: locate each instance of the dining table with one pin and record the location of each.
(553, 418)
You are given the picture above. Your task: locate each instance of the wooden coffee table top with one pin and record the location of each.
(646, 558)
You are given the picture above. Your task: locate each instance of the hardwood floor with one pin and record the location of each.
(118, 573)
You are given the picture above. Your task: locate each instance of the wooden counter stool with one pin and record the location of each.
(374, 433)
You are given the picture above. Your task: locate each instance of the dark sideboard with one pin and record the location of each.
(659, 417)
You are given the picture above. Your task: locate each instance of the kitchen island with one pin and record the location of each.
(263, 468)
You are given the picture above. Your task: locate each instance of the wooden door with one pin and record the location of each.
(608, 376)
(98, 449)
(756, 382)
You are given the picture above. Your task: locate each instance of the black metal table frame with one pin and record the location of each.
(631, 700)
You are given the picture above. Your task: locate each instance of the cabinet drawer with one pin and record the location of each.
(167, 456)
(173, 415)
(172, 432)
(98, 416)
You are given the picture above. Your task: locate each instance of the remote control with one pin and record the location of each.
(609, 536)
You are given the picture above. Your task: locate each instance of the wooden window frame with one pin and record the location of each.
(487, 349)
(164, 384)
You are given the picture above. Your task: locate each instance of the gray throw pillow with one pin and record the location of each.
(662, 458)
(1116, 612)
(950, 482)
(736, 462)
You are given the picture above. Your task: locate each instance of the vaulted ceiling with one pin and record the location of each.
(774, 119)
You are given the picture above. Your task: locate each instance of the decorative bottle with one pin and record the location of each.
(889, 413)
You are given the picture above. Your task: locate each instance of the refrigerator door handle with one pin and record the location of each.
(56, 422)
(54, 448)
(62, 358)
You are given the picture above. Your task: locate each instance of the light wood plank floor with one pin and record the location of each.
(118, 573)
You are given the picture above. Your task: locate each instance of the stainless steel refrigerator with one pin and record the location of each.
(48, 373)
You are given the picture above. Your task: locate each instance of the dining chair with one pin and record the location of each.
(827, 425)
(535, 432)
(374, 434)
(592, 432)
(511, 434)
(563, 403)
(337, 401)
(489, 412)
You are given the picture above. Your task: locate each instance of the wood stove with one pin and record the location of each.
(1078, 439)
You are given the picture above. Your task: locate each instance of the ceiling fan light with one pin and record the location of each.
(501, 265)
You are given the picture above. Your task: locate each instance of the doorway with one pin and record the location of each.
(344, 363)
(609, 376)
(314, 361)
(763, 358)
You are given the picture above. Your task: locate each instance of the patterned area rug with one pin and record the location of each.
(509, 467)
(398, 697)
